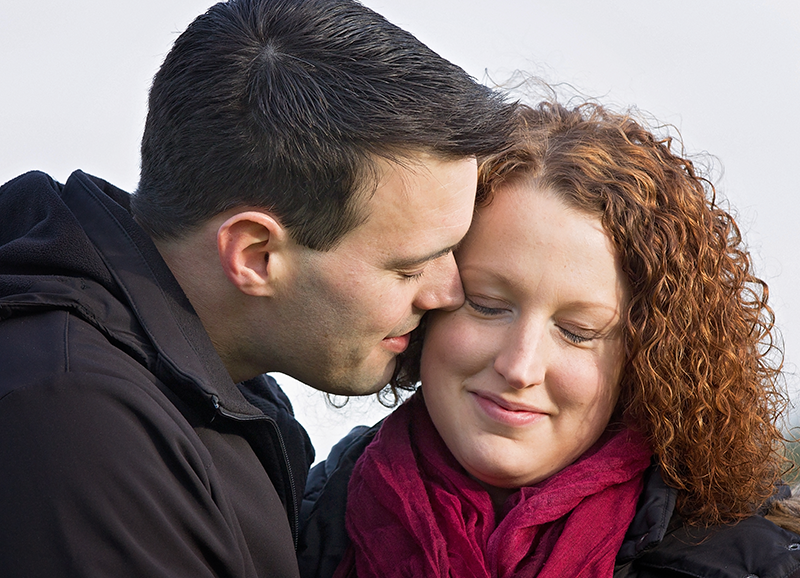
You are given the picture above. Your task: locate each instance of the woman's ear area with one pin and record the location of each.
(251, 247)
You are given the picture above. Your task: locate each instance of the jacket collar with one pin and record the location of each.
(653, 515)
(185, 354)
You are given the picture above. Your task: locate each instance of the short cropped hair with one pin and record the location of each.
(287, 104)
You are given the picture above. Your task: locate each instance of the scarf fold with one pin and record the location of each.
(413, 511)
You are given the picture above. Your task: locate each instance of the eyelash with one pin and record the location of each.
(484, 310)
(573, 337)
(493, 311)
(413, 276)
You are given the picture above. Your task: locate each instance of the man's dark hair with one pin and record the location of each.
(286, 105)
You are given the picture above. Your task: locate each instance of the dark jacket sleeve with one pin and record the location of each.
(101, 478)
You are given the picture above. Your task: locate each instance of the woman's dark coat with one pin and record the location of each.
(657, 544)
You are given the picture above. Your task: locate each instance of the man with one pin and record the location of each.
(306, 170)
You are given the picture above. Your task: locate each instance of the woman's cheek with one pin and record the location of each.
(460, 342)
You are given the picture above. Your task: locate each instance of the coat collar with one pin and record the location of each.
(185, 355)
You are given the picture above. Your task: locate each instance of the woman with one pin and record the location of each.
(605, 401)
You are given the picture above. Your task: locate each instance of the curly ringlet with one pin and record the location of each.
(702, 376)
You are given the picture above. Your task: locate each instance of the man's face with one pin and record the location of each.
(347, 313)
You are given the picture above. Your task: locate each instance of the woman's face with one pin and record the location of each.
(524, 377)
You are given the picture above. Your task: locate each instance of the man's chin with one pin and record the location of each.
(364, 384)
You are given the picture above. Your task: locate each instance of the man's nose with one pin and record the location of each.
(441, 286)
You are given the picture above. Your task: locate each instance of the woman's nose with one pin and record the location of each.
(522, 359)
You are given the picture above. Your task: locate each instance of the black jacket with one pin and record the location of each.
(657, 544)
(125, 448)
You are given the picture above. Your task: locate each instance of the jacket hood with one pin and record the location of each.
(75, 246)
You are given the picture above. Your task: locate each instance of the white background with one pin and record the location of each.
(74, 77)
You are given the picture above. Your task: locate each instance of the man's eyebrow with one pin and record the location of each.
(402, 264)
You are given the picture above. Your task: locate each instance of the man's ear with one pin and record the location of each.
(251, 245)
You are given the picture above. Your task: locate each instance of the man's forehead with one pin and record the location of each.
(405, 165)
(419, 213)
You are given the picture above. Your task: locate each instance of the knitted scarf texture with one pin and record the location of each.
(413, 511)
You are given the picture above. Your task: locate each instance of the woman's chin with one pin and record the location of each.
(502, 480)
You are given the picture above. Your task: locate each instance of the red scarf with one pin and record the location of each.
(413, 511)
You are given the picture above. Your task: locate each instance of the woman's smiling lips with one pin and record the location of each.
(505, 412)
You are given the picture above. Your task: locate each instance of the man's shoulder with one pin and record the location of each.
(102, 472)
(56, 340)
(98, 452)
(78, 405)
(29, 179)
(65, 386)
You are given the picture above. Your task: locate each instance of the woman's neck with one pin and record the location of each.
(498, 497)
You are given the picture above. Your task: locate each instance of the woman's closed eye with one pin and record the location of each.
(485, 309)
(576, 338)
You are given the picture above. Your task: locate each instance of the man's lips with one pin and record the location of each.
(506, 412)
(397, 344)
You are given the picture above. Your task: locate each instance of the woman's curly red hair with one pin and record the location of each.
(702, 371)
(702, 376)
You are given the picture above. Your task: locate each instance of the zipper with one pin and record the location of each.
(292, 486)
(295, 514)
